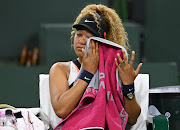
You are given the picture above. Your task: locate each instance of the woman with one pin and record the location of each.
(99, 21)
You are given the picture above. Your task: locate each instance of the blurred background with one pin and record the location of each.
(36, 34)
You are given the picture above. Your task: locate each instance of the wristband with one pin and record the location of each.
(128, 90)
(86, 76)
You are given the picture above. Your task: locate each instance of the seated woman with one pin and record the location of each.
(99, 21)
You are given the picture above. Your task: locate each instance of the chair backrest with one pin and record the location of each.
(45, 101)
(142, 96)
(141, 92)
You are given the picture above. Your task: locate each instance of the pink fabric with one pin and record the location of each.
(100, 106)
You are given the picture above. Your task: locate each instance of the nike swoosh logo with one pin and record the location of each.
(87, 21)
(86, 78)
(131, 89)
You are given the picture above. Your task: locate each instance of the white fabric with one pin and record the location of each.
(29, 121)
(45, 102)
(141, 92)
(41, 115)
(73, 73)
(142, 97)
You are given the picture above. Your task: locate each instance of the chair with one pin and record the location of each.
(141, 91)
(142, 97)
(45, 102)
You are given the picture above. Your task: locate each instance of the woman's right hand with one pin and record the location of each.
(90, 62)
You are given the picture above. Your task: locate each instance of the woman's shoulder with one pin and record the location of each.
(60, 67)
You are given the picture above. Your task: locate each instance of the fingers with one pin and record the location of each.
(93, 47)
(97, 49)
(132, 58)
(126, 71)
(116, 62)
(90, 47)
(138, 69)
(120, 60)
(84, 53)
(125, 57)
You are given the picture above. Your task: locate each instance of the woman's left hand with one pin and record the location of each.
(126, 70)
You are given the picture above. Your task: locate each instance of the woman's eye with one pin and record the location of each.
(78, 34)
(89, 37)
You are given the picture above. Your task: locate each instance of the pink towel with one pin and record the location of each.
(102, 103)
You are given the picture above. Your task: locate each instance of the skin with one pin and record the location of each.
(128, 75)
(64, 100)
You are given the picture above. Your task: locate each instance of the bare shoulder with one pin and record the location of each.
(58, 78)
(60, 68)
(61, 65)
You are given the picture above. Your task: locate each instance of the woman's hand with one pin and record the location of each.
(126, 71)
(90, 62)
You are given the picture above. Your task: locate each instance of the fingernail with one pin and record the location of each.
(117, 54)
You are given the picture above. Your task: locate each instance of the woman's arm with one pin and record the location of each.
(128, 75)
(133, 109)
(63, 99)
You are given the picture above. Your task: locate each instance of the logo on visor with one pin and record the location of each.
(88, 21)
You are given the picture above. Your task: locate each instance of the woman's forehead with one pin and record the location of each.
(85, 30)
